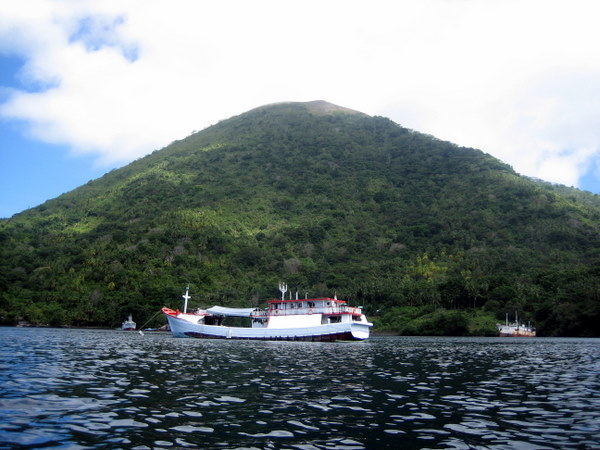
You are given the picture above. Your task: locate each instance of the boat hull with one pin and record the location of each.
(518, 334)
(326, 332)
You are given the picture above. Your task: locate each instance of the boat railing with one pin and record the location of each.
(328, 310)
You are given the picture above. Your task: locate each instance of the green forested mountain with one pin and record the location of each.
(431, 237)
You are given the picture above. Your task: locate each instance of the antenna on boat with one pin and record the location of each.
(283, 290)
(186, 297)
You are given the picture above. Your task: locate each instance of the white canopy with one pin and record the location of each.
(234, 312)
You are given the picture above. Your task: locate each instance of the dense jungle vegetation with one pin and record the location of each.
(429, 237)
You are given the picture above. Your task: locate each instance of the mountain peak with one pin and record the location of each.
(318, 107)
(323, 107)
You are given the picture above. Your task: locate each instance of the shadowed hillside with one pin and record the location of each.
(434, 238)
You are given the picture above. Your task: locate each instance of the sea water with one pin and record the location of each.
(113, 389)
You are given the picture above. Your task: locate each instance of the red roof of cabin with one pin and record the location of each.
(306, 300)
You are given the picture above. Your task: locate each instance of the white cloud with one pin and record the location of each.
(517, 79)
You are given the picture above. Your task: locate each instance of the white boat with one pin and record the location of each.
(515, 329)
(129, 324)
(317, 319)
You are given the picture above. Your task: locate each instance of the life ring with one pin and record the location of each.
(276, 312)
(310, 310)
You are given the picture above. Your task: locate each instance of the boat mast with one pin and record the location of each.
(186, 297)
(283, 289)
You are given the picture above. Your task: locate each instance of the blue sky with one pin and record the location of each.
(90, 85)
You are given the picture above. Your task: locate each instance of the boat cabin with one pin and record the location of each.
(305, 312)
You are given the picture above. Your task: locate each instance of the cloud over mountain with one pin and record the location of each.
(120, 79)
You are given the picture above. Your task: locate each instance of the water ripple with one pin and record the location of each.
(107, 389)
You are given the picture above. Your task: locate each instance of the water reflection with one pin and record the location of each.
(107, 389)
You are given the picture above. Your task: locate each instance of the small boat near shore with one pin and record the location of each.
(515, 329)
(316, 319)
(129, 324)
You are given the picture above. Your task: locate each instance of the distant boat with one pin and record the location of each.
(129, 324)
(317, 319)
(515, 329)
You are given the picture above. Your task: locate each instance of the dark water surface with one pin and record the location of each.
(113, 389)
